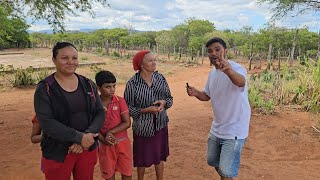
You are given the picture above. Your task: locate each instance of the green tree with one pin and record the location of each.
(53, 11)
(115, 34)
(13, 30)
(165, 38)
(281, 8)
(197, 31)
(199, 27)
(180, 34)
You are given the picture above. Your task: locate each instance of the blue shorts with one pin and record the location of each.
(225, 155)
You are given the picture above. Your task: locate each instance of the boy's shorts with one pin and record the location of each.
(115, 158)
(225, 154)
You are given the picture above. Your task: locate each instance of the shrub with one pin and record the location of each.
(307, 93)
(23, 77)
(298, 85)
(99, 50)
(95, 69)
(115, 54)
(84, 58)
(41, 74)
(256, 100)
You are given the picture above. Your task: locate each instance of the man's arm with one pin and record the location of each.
(236, 78)
(201, 95)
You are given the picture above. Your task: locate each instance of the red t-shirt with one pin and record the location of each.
(35, 120)
(115, 109)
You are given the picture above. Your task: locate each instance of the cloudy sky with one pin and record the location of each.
(155, 15)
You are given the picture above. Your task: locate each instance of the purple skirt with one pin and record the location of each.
(150, 150)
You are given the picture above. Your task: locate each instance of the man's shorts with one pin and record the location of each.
(115, 158)
(225, 155)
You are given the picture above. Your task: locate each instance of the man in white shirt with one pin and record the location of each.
(227, 89)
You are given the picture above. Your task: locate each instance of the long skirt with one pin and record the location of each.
(150, 150)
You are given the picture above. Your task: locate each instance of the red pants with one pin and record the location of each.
(81, 165)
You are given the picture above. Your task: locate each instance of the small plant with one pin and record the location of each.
(307, 93)
(95, 69)
(264, 106)
(4, 68)
(99, 50)
(84, 58)
(81, 47)
(128, 56)
(23, 77)
(115, 54)
(42, 74)
(230, 56)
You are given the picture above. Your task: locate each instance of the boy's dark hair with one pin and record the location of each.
(218, 40)
(60, 45)
(105, 77)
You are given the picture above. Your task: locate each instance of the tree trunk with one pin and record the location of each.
(269, 57)
(294, 46)
(157, 50)
(202, 54)
(279, 59)
(191, 54)
(107, 48)
(318, 55)
(250, 58)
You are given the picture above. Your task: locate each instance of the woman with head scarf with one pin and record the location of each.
(148, 97)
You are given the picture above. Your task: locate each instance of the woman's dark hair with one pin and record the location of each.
(218, 40)
(60, 45)
(105, 77)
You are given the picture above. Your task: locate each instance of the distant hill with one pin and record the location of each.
(73, 31)
(50, 31)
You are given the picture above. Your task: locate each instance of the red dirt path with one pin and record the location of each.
(281, 146)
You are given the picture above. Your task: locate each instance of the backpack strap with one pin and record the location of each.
(93, 96)
(89, 87)
(49, 81)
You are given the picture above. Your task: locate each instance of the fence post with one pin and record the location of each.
(294, 46)
(202, 53)
(250, 58)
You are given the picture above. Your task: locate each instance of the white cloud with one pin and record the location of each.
(39, 27)
(165, 14)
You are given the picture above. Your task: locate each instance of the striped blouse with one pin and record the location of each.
(139, 95)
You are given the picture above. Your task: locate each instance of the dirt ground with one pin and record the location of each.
(281, 146)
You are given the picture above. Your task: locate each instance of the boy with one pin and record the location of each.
(115, 152)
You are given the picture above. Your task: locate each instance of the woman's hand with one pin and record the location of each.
(156, 108)
(160, 104)
(151, 109)
(75, 148)
(87, 140)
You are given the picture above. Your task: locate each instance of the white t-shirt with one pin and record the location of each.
(230, 104)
